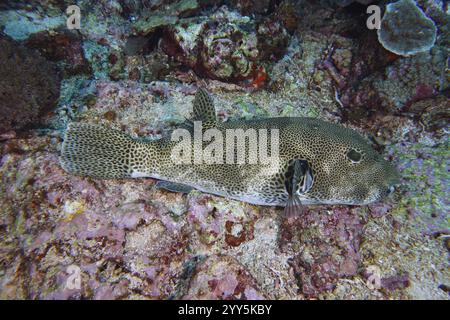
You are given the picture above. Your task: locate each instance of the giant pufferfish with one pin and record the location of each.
(318, 163)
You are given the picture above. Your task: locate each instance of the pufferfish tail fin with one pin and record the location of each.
(97, 151)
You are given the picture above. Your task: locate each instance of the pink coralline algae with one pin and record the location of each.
(327, 242)
(214, 223)
(395, 282)
(223, 278)
(125, 246)
(42, 225)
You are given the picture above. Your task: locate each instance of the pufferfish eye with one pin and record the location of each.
(354, 155)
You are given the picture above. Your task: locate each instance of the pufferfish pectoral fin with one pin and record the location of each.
(298, 175)
(203, 109)
(293, 208)
(173, 187)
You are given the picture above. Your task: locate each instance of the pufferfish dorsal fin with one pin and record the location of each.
(203, 109)
(298, 176)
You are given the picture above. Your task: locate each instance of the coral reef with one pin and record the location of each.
(225, 46)
(61, 46)
(135, 66)
(166, 16)
(247, 7)
(433, 113)
(20, 24)
(405, 29)
(228, 51)
(272, 39)
(344, 3)
(29, 85)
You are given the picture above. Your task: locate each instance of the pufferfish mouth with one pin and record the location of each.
(382, 193)
(390, 190)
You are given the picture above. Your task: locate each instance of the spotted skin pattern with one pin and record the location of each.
(329, 149)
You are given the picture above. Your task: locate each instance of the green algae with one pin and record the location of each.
(426, 185)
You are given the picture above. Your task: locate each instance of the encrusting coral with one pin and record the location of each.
(405, 29)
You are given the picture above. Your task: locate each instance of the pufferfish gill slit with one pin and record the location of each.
(298, 178)
(327, 163)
